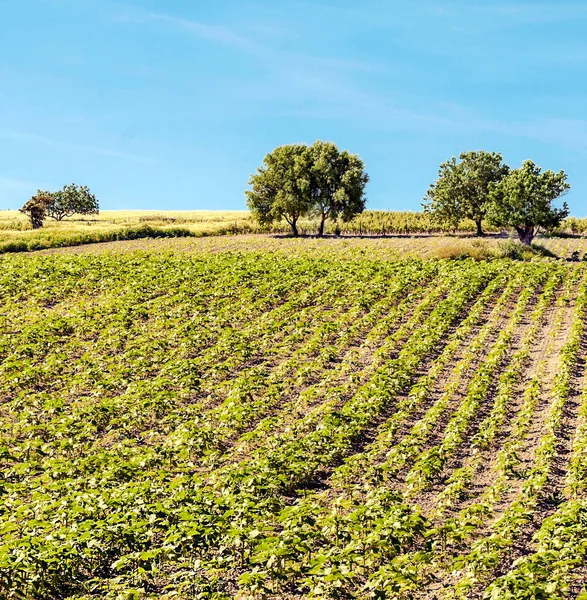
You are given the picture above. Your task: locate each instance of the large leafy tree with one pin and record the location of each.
(72, 199)
(36, 208)
(462, 188)
(298, 180)
(523, 200)
(281, 186)
(337, 183)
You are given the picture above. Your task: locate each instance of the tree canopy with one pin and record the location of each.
(523, 200)
(296, 180)
(462, 188)
(72, 199)
(337, 183)
(281, 187)
(36, 208)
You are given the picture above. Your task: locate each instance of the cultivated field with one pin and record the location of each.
(246, 419)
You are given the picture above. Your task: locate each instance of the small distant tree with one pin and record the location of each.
(337, 184)
(462, 188)
(523, 200)
(281, 186)
(72, 199)
(36, 208)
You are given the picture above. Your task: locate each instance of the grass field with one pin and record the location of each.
(256, 417)
(346, 247)
(16, 235)
(13, 220)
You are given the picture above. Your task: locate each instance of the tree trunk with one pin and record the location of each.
(294, 227)
(526, 234)
(321, 228)
(478, 222)
(37, 218)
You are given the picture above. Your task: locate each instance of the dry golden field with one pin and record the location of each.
(406, 231)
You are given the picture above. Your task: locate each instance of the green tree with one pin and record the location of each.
(73, 199)
(523, 200)
(36, 208)
(338, 181)
(298, 180)
(281, 186)
(462, 188)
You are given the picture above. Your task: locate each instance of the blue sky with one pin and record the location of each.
(172, 104)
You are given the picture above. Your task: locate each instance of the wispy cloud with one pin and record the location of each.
(14, 184)
(556, 131)
(370, 109)
(338, 87)
(33, 138)
(334, 63)
(329, 101)
(229, 36)
(219, 34)
(562, 132)
(531, 12)
(454, 14)
(318, 85)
